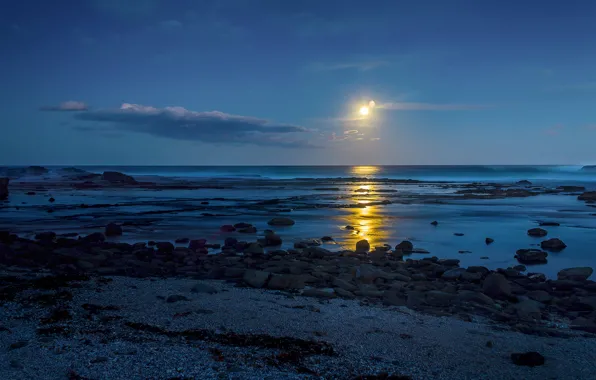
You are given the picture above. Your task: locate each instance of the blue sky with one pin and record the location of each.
(267, 82)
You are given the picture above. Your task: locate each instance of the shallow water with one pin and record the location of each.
(171, 214)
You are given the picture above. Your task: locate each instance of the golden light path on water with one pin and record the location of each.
(366, 220)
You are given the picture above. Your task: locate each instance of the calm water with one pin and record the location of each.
(407, 217)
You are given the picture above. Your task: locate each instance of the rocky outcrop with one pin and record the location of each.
(117, 177)
(588, 196)
(4, 188)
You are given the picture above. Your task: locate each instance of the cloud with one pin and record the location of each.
(171, 24)
(182, 124)
(67, 106)
(410, 106)
(358, 65)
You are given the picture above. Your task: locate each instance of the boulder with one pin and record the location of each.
(95, 237)
(165, 246)
(230, 242)
(113, 229)
(531, 256)
(254, 249)
(438, 298)
(307, 243)
(281, 222)
(478, 269)
(453, 274)
(227, 228)
(272, 240)
(588, 196)
(344, 293)
(394, 298)
(248, 230)
(405, 246)
(528, 310)
(255, 278)
(339, 283)
(316, 252)
(285, 281)
(495, 285)
(537, 232)
(471, 277)
(242, 225)
(575, 274)
(489, 241)
(553, 244)
(117, 177)
(540, 296)
(474, 297)
(362, 246)
(434, 223)
(4, 188)
(196, 244)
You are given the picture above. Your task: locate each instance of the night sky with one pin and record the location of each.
(272, 82)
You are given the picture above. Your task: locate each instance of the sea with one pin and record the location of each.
(323, 200)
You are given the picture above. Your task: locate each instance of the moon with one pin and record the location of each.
(364, 111)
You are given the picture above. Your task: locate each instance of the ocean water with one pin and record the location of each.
(472, 173)
(383, 212)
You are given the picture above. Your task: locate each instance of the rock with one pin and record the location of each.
(438, 298)
(117, 177)
(458, 234)
(113, 229)
(227, 228)
(281, 222)
(255, 278)
(405, 246)
(285, 281)
(307, 243)
(434, 223)
(528, 310)
(182, 240)
(203, 288)
(575, 274)
(478, 269)
(495, 285)
(415, 299)
(529, 359)
(230, 242)
(553, 244)
(394, 298)
(549, 224)
(449, 262)
(165, 246)
(349, 228)
(520, 268)
(272, 240)
(362, 246)
(242, 225)
(326, 238)
(248, 230)
(471, 277)
(489, 241)
(254, 249)
(344, 293)
(453, 274)
(587, 196)
(531, 256)
(316, 252)
(4, 188)
(46, 236)
(37, 170)
(176, 298)
(537, 232)
(540, 296)
(95, 237)
(194, 245)
(339, 283)
(51, 200)
(475, 297)
(234, 272)
(319, 293)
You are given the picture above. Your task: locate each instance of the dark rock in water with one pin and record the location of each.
(549, 224)
(458, 234)
(182, 240)
(281, 222)
(95, 237)
(349, 228)
(524, 183)
(117, 177)
(434, 223)
(571, 189)
(553, 244)
(587, 196)
(242, 225)
(113, 229)
(575, 274)
(362, 246)
(537, 232)
(230, 242)
(272, 239)
(51, 200)
(4, 188)
(197, 244)
(227, 228)
(46, 236)
(248, 230)
(176, 298)
(405, 246)
(531, 256)
(254, 249)
(204, 203)
(528, 359)
(326, 238)
(495, 285)
(30, 193)
(489, 241)
(37, 170)
(165, 246)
